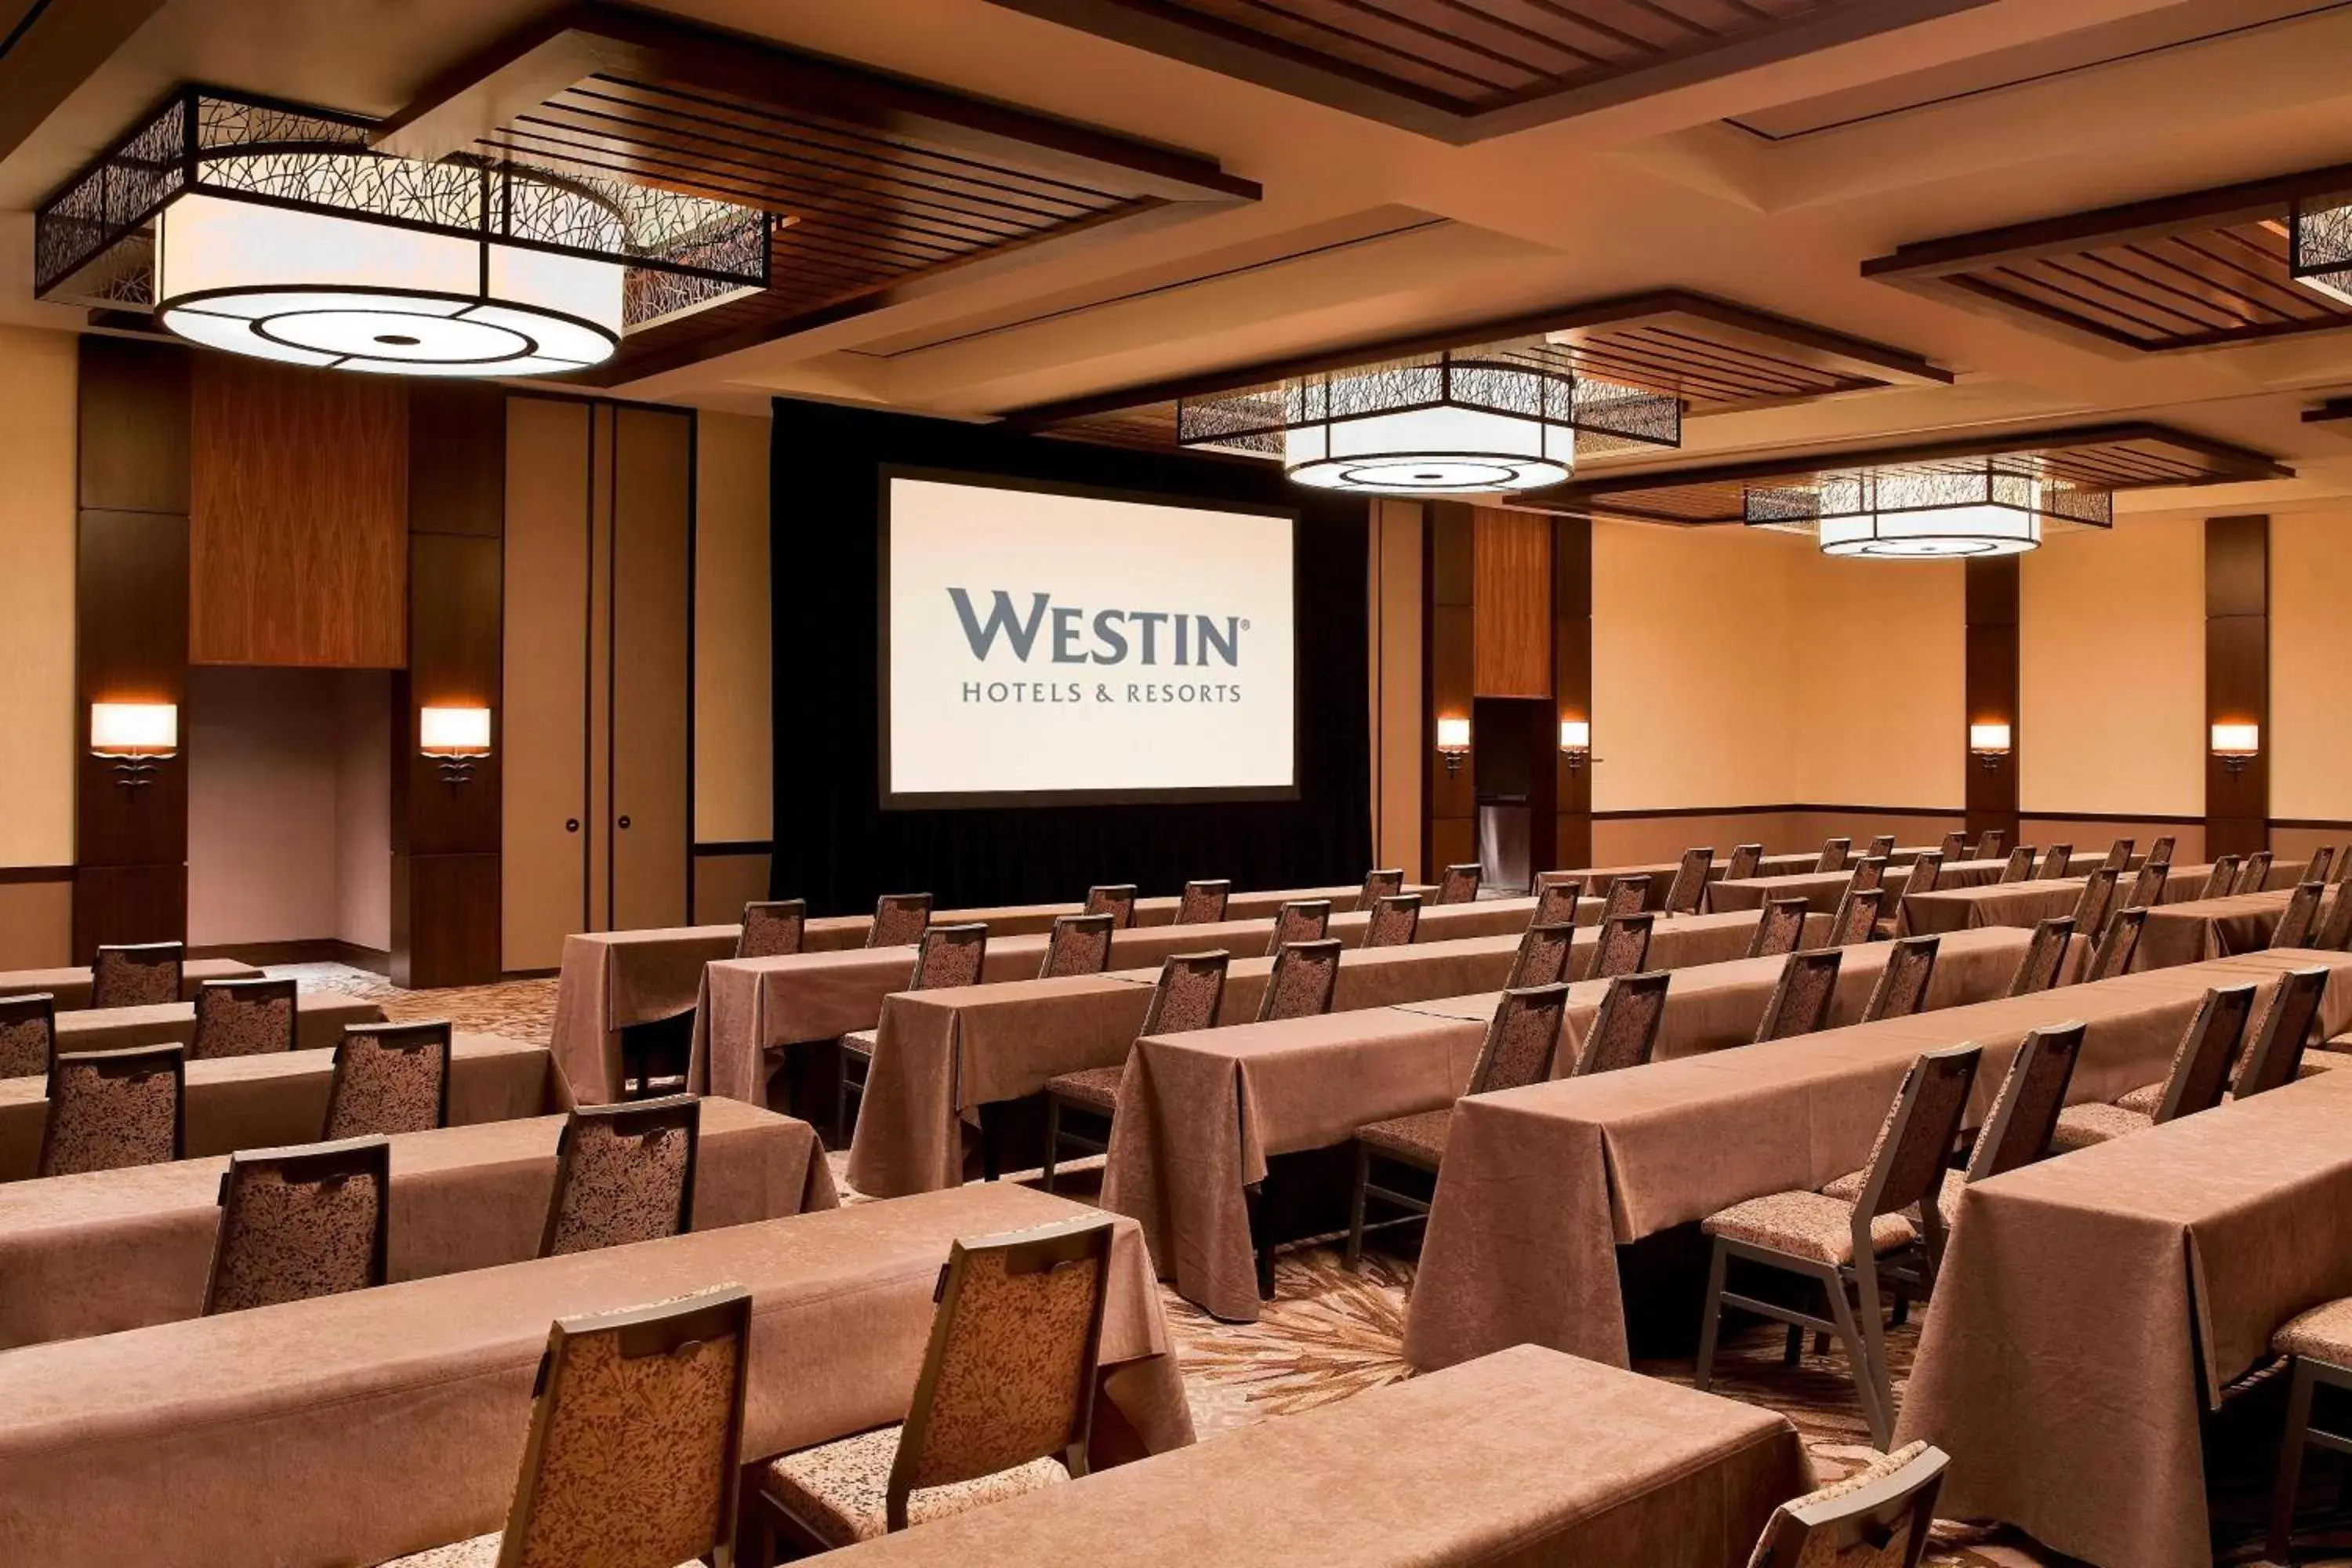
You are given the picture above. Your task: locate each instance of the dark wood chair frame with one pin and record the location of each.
(366, 1156)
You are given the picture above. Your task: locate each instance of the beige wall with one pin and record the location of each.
(2311, 679)
(37, 595)
(1877, 652)
(733, 757)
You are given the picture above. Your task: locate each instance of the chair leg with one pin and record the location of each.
(1353, 1257)
(1705, 1372)
(1053, 1139)
(1820, 1344)
(1795, 1352)
(2292, 1443)
(1872, 1377)
(1253, 1202)
(991, 1135)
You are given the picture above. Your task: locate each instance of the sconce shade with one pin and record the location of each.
(134, 729)
(1575, 734)
(1989, 739)
(454, 732)
(2237, 740)
(1454, 734)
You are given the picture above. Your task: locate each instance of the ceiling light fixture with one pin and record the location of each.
(1957, 510)
(2319, 249)
(279, 232)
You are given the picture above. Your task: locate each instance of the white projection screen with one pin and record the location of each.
(1044, 644)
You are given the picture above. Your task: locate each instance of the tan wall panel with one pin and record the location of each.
(1395, 661)
(1875, 665)
(2111, 644)
(734, 754)
(1645, 840)
(37, 712)
(2311, 691)
(35, 924)
(543, 710)
(2041, 832)
(723, 884)
(652, 524)
(263, 771)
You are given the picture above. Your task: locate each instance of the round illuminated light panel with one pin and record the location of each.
(1942, 533)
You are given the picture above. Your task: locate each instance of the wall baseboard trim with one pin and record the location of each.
(2123, 816)
(738, 846)
(22, 874)
(528, 975)
(2323, 824)
(307, 950)
(1780, 810)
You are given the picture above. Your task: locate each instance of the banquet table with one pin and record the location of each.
(2023, 903)
(1595, 880)
(1541, 1183)
(120, 1249)
(319, 1019)
(2209, 927)
(1523, 1457)
(262, 1101)
(749, 1007)
(614, 979)
(352, 1428)
(2153, 1269)
(1201, 1114)
(70, 985)
(1822, 889)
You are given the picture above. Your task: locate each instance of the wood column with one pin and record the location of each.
(1450, 827)
(445, 836)
(130, 639)
(1571, 685)
(2237, 680)
(1992, 693)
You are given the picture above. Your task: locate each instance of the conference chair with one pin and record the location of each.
(1306, 973)
(28, 1034)
(2046, 957)
(1689, 886)
(1745, 859)
(1925, 873)
(2119, 856)
(2254, 874)
(1991, 846)
(1801, 996)
(243, 1019)
(2092, 904)
(302, 1221)
(1543, 956)
(1882, 847)
(635, 1437)
(1394, 920)
(623, 1173)
(1780, 929)
(2148, 886)
(111, 1110)
(2111, 955)
(1186, 998)
(2221, 879)
(388, 1078)
(1555, 904)
(1626, 896)
(947, 957)
(1522, 1040)
(899, 919)
(2200, 1075)
(2275, 1057)
(1624, 1032)
(2021, 865)
(1842, 1245)
(2161, 850)
(2336, 931)
(1378, 884)
(772, 928)
(1460, 884)
(1203, 903)
(1869, 872)
(1116, 901)
(1303, 920)
(1856, 920)
(1902, 987)
(1080, 944)
(1877, 1517)
(1955, 847)
(1004, 1405)
(2058, 863)
(2302, 913)
(1624, 946)
(2322, 861)
(139, 975)
(1833, 857)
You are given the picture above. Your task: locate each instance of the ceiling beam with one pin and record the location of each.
(50, 47)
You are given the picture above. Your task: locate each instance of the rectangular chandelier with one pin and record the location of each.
(2319, 247)
(1991, 506)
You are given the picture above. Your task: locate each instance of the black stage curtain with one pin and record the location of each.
(833, 843)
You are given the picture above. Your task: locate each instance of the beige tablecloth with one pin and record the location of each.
(1539, 1184)
(122, 1249)
(319, 1019)
(70, 985)
(1596, 879)
(1822, 889)
(260, 1103)
(1523, 1458)
(1201, 1114)
(2070, 1353)
(2209, 927)
(352, 1428)
(2023, 903)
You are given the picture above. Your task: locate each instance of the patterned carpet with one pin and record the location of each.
(1330, 1334)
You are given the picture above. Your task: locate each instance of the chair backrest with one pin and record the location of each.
(1522, 1040)
(1378, 885)
(2113, 956)
(1745, 859)
(2322, 861)
(1780, 929)
(1302, 919)
(636, 1434)
(2119, 856)
(389, 1078)
(1624, 946)
(2223, 879)
(2295, 924)
(1542, 957)
(2024, 1113)
(948, 956)
(1955, 847)
(2148, 886)
(1008, 1375)
(1926, 872)
(1203, 903)
(1626, 896)
(1801, 996)
(28, 1034)
(899, 918)
(2021, 865)
(1460, 883)
(1877, 1518)
(1689, 886)
(1555, 904)
(1906, 1164)
(108, 1109)
(1626, 1029)
(1115, 900)
(302, 1221)
(1304, 975)
(137, 975)
(1834, 854)
(2058, 862)
(2046, 957)
(1080, 946)
(623, 1172)
(1856, 920)
(2254, 873)
(1190, 987)
(1901, 988)
(1881, 846)
(243, 1019)
(2276, 1055)
(2336, 931)
(2202, 1062)
(1869, 872)
(1992, 844)
(772, 928)
(1394, 920)
(2097, 897)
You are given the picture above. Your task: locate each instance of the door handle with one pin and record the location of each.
(625, 822)
(570, 825)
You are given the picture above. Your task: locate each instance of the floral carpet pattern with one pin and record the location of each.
(1330, 1334)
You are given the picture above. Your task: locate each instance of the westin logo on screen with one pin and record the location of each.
(1146, 636)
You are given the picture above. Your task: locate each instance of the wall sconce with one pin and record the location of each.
(456, 737)
(134, 736)
(1575, 742)
(2236, 745)
(1990, 743)
(1453, 743)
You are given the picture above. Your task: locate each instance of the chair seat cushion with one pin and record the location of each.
(2080, 1126)
(481, 1551)
(1096, 1089)
(1848, 1188)
(859, 1042)
(1806, 1225)
(1416, 1140)
(841, 1491)
(2145, 1101)
(2324, 1334)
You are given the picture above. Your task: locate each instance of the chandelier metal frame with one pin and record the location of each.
(1915, 493)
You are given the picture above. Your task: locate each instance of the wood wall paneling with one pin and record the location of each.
(652, 741)
(454, 663)
(1400, 718)
(1572, 680)
(1511, 594)
(1450, 833)
(598, 818)
(2236, 679)
(135, 429)
(445, 916)
(1992, 686)
(298, 515)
